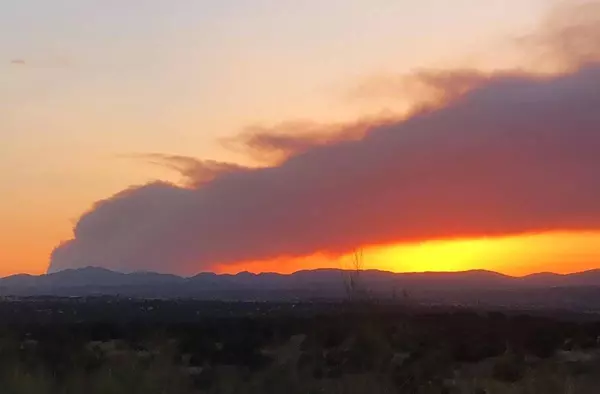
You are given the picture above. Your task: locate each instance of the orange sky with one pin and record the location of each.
(179, 78)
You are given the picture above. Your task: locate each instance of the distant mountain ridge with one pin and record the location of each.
(435, 287)
(102, 276)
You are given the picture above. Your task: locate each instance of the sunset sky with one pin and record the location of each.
(286, 130)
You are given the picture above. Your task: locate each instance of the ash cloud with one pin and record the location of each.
(515, 155)
(426, 88)
(273, 145)
(195, 172)
(569, 35)
(508, 154)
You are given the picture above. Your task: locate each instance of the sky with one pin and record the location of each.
(253, 109)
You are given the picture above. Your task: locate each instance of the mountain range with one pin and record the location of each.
(579, 290)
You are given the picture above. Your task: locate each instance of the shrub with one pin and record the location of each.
(509, 369)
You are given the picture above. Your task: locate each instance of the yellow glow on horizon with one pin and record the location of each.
(455, 255)
(560, 252)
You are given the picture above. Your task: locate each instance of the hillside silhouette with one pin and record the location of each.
(578, 291)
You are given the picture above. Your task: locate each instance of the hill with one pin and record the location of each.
(544, 290)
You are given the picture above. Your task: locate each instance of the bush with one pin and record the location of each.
(509, 370)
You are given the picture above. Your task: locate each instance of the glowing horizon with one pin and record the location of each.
(516, 255)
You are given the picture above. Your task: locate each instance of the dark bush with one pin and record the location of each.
(509, 370)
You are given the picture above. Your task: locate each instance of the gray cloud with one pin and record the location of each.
(425, 88)
(272, 145)
(569, 36)
(194, 171)
(504, 154)
(516, 154)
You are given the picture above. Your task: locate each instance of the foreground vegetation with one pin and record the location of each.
(356, 349)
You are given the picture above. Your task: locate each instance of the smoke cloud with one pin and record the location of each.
(569, 36)
(273, 145)
(195, 172)
(506, 154)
